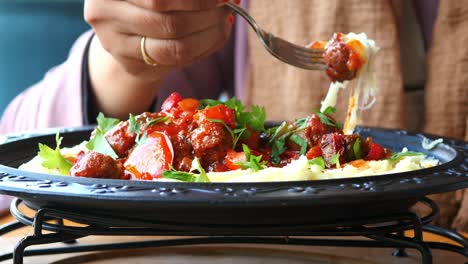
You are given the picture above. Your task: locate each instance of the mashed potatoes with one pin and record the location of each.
(300, 170)
(297, 170)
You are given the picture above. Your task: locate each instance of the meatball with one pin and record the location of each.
(121, 139)
(337, 54)
(182, 151)
(96, 165)
(333, 144)
(210, 142)
(316, 129)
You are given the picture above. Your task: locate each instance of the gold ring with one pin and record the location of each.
(148, 60)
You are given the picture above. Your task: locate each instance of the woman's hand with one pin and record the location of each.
(178, 33)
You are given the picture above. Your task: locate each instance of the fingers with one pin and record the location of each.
(192, 30)
(176, 5)
(186, 50)
(169, 25)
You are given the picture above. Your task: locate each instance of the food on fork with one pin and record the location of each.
(350, 57)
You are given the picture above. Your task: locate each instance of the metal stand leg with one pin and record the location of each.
(7, 228)
(422, 247)
(400, 252)
(19, 252)
(69, 242)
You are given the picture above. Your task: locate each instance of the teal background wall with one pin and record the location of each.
(35, 35)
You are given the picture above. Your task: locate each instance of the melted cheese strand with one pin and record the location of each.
(365, 88)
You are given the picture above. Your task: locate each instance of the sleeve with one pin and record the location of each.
(56, 101)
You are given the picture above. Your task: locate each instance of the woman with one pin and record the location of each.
(130, 65)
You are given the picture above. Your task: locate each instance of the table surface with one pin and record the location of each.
(228, 254)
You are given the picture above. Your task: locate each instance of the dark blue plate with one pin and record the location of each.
(270, 203)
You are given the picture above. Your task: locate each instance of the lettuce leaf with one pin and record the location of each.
(53, 158)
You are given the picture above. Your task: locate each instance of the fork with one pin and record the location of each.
(299, 56)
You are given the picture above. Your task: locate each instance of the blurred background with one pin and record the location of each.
(35, 35)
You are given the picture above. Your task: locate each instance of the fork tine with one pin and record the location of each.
(301, 62)
(288, 45)
(308, 50)
(290, 53)
(306, 53)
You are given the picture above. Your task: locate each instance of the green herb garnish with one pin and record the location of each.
(201, 176)
(301, 123)
(252, 162)
(163, 119)
(196, 166)
(319, 161)
(324, 117)
(278, 135)
(53, 158)
(99, 142)
(357, 149)
(134, 126)
(396, 157)
(278, 148)
(236, 134)
(179, 175)
(335, 160)
(106, 123)
(299, 141)
(253, 119)
(205, 103)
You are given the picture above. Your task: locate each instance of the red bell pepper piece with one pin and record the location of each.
(376, 152)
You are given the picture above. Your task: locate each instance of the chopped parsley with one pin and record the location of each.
(53, 158)
(278, 135)
(325, 119)
(99, 142)
(252, 162)
(278, 148)
(162, 119)
(299, 141)
(396, 157)
(179, 175)
(301, 123)
(201, 176)
(134, 126)
(253, 119)
(106, 123)
(357, 149)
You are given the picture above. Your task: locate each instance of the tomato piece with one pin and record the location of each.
(376, 152)
(171, 102)
(188, 105)
(219, 112)
(150, 159)
(232, 158)
(314, 152)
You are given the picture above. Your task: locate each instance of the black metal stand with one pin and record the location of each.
(382, 231)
